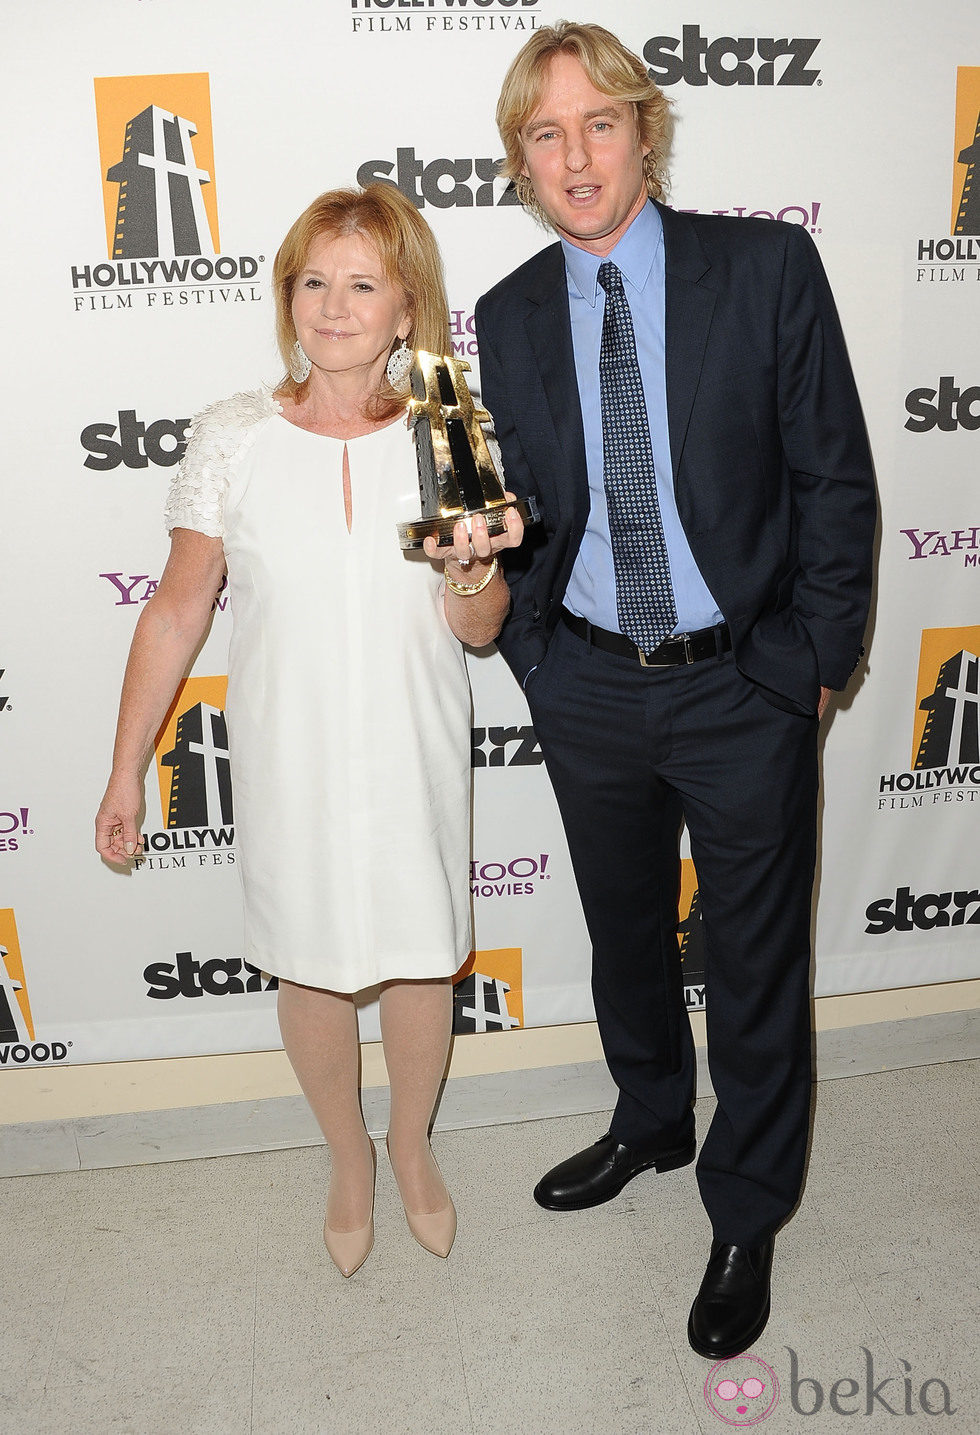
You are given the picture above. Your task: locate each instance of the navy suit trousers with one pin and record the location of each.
(632, 753)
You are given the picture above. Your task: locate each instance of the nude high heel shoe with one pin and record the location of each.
(350, 1249)
(435, 1231)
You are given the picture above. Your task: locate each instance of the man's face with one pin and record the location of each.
(583, 156)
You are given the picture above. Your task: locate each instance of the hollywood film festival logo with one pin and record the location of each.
(156, 154)
(945, 758)
(194, 777)
(945, 773)
(18, 1040)
(435, 17)
(488, 991)
(955, 258)
(690, 938)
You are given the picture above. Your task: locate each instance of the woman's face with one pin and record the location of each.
(347, 314)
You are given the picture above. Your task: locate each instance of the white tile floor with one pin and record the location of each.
(195, 1296)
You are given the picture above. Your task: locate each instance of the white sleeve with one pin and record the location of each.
(216, 438)
(496, 457)
(197, 489)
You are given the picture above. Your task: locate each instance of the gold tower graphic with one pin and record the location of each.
(966, 151)
(968, 217)
(952, 729)
(160, 211)
(156, 153)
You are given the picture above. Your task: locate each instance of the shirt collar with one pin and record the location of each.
(633, 255)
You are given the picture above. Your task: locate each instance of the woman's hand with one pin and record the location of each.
(117, 834)
(473, 549)
(477, 596)
(169, 630)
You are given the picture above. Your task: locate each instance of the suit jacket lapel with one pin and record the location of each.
(689, 306)
(549, 332)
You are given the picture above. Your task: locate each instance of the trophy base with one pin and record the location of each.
(413, 534)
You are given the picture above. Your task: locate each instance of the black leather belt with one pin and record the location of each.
(672, 652)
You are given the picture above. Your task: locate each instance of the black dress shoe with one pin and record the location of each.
(731, 1308)
(601, 1171)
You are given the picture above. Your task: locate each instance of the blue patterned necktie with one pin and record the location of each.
(644, 595)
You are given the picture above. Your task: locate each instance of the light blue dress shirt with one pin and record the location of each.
(639, 255)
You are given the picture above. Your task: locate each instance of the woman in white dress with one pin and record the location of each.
(348, 702)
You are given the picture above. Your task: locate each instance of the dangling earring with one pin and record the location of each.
(299, 363)
(399, 367)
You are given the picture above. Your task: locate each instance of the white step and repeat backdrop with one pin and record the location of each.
(157, 152)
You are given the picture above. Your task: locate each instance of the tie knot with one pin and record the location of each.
(610, 277)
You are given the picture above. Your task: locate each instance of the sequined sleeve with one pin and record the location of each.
(216, 439)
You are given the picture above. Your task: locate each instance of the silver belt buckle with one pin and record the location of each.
(643, 660)
(688, 649)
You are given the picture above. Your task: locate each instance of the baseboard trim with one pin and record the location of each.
(502, 1098)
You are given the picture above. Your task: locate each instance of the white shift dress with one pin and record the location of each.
(348, 701)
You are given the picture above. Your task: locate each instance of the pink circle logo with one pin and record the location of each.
(741, 1391)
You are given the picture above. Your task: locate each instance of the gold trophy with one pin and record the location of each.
(457, 478)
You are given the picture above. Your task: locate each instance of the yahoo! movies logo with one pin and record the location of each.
(958, 543)
(945, 760)
(955, 259)
(517, 877)
(18, 1044)
(158, 193)
(194, 776)
(131, 589)
(15, 825)
(805, 214)
(488, 991)
(462, 331)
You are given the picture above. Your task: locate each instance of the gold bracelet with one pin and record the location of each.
(468, 590)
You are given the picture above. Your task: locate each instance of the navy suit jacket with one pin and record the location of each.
(772, 471)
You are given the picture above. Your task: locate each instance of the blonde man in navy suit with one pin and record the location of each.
(723, 498)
